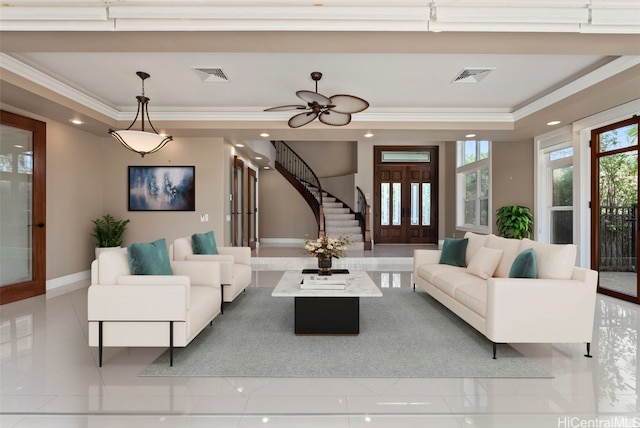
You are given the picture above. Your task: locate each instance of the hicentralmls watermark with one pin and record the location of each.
(612, 422)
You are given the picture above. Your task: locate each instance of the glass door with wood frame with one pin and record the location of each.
(22, 207)
(615, 208)
(405, 195)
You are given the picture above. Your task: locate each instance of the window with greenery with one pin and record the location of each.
(473, 174)
(560, 162)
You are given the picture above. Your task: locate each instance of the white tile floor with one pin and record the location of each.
(49, 377)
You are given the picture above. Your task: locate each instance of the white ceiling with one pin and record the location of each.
(405, 75)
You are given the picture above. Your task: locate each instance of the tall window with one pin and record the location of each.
(560, 178)
(473, 181)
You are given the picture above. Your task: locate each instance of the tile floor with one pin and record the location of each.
(49, 378)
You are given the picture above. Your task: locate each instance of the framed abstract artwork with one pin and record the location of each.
(162, 188)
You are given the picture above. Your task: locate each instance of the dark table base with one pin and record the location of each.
(327, 315)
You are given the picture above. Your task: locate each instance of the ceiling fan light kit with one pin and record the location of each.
(334, 111)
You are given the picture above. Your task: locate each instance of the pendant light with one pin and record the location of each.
(141, 142)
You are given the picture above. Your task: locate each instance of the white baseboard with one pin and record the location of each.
(66, 280)
(292, 242)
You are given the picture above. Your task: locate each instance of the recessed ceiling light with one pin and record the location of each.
(76, 121)
(470, 135)
(258, 157)
(368, 135)
(239, 145)
(264, 135)
(266, 167)
(553, 122)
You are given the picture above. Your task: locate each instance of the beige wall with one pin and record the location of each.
(511, 176)
(87, 177)
(448, 191)
(74, 197)
(342, 159)
(206, 154)
(283, 213)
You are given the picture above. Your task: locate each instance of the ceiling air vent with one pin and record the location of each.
(472, 75)
(213, 74)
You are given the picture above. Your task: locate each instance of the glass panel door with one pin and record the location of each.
(615, 224)
(22, 207)
(16, 186)
(405, 200)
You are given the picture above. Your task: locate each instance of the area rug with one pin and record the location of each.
(402, 334)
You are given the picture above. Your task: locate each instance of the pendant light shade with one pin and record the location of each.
(141, 142)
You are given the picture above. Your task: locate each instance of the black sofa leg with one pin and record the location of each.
(171, 343)
(494, 350)
(414, 287)
(99, 343)
(588, 354)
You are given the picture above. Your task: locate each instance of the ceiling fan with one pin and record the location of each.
(335, 110)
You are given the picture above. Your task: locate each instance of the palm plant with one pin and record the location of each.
(108, 231)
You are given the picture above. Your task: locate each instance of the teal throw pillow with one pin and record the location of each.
(454, 251)
(149, 258)
(204, 243)
(524, 265)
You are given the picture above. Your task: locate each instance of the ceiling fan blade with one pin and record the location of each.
(334, 118)
(311, 97)
(302, 119)
(287, 108)
(348, 104)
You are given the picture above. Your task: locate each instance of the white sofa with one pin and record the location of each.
(235, 265)
(150, 310)
(557, 306)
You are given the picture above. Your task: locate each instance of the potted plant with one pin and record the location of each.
(108, 232)
(514, 221)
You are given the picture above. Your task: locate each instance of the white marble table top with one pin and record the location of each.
(359, 284)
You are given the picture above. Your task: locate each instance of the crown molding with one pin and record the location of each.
(608, 70)
(13, 65)
(613, 17)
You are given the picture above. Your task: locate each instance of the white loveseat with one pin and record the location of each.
(557, 306)
(235, 265)
(150, 310)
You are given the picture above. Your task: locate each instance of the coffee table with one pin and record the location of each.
(327, 311)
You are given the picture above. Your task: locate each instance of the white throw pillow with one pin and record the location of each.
(475, 241)
(555, 261)
(510, 250)
(484, 262)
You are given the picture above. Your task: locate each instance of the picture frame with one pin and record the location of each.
(162, 188)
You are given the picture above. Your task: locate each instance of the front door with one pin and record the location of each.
(405, 196)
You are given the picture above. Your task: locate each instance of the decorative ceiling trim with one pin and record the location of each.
(479, 15)
(18, 67)
(608, 70)
(614, 67)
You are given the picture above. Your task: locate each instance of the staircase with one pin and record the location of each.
(339, 220)
(335, 218)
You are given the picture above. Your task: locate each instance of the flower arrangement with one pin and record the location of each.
(327, 247)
